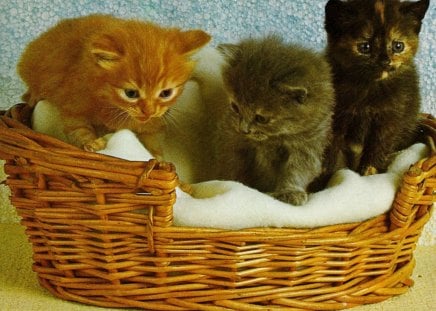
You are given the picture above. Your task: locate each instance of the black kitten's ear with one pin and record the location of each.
(417, 9)
(298, 93)
(229, 50)
(336, 13)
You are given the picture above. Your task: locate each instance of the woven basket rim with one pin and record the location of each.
(22, 113)
(91, 245)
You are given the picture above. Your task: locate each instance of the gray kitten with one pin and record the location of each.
(276, 124)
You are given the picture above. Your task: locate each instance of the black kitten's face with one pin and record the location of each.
(373, 39)
(382, 52)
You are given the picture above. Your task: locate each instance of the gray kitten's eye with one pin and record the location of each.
(397, 46)
(131, 93)
(234, 107)
(165, 94)
(364, 47)
(261, 119)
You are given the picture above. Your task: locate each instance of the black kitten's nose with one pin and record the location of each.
(387, 65)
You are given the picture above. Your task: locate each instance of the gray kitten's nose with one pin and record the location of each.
(244, 127)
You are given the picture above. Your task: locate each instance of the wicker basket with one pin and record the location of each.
(92, 245)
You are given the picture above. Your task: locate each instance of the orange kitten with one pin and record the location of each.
(104, 73)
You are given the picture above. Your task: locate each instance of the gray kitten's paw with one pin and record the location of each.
(294, 197)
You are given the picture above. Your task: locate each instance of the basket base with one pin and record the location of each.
(341, 296)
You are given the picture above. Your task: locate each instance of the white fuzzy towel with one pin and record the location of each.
(231, 205)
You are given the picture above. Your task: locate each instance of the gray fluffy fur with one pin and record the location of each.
(273, 130)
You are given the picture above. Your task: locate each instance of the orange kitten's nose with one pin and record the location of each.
(148, 109)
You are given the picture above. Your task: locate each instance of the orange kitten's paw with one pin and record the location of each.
(186, 188)
(95, 145)
(370, 170)
(294, 196)
(158, 156)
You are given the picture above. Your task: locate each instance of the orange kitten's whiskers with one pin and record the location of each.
(169, 118)
(118, 117)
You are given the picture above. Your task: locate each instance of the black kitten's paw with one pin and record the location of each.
(370, 170)
(294, 197)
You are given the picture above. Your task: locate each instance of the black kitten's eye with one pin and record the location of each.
(131, 93)
(165, 94)
(364, 47)
(397, 46)
(234, 107)
(261, 119)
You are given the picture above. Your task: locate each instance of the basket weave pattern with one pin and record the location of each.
(102, 234)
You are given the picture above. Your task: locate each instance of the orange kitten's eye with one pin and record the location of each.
(166, 94)
(397, 46)
(131, 93)
(364, 47)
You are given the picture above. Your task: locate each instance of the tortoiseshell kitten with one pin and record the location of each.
(273, 130)
(371, 48)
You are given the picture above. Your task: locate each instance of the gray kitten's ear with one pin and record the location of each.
(298, 93)
(229, 50)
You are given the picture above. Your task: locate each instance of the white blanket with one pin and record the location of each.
(231, 205)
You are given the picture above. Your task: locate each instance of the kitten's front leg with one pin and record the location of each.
(379, 147)
(291, 187)
(293, 195)
(295, 176)
(153, 143)
(152, 136)
(82, 134)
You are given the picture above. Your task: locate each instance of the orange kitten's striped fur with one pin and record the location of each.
(104, 73)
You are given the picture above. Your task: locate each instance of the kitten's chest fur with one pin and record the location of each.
(262, 161)
(270, 156)
(392, 103)
(266, 162)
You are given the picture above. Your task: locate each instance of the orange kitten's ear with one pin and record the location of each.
(106, 51)
(192, 40)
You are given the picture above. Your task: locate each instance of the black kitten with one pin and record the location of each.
(371, 48)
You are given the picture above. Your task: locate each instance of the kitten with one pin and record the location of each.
(273, 131)
(371, 47)
(104, 73)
